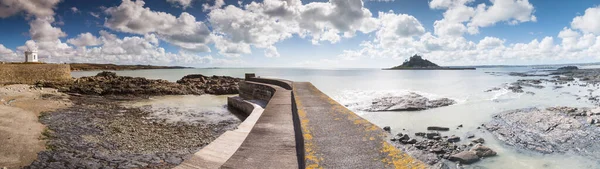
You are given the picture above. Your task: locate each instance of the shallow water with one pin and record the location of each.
(206, 109)
(467, 87)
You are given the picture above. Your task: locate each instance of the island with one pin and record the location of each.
(417, 62)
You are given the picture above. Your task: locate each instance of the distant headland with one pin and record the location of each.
(417, 62)
(94, 66)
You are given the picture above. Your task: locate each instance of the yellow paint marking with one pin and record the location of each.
(394, 157)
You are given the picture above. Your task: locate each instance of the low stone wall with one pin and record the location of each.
(31, 73)
(255, 91)
(240, 104)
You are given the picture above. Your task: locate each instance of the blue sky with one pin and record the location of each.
(293, 33)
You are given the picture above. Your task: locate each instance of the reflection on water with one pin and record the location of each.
(188, 108)
(467, 87)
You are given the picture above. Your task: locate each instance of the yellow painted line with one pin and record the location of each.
(395, 157)
(310, 157)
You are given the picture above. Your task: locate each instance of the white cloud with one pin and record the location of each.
(8, 55)
(264, 24)
(271, 51)
(181, 3)
(183, 31)
(589, 22)
(460, 12)
(74, 10)
(95, 15)
(216, 5)
(38, 8)
(85, 39)
(42, 30)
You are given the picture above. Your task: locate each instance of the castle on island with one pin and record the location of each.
(31, 56)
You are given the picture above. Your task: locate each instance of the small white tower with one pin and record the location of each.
(31, 56)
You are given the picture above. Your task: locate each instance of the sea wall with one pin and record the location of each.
(240, 104)
(31, 73)
(255, 91)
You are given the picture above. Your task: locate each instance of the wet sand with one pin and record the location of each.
(20, 130)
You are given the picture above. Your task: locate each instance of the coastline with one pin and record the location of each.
(94, 66)
(428, 68)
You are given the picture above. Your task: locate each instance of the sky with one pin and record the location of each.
(295, 33)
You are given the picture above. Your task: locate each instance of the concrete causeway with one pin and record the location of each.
(300, 127)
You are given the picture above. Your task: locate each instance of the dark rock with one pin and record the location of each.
(483, 151)
(568, 68)
(387, 128)
(479, 140)
(465, 157)
(431, 135)
(410, 141)
(436, 128)
(453, 139)
(470, 135)
(422, 134)
(460, 125)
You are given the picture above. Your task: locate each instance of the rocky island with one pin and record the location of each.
(417, 62)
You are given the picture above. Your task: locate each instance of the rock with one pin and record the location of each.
(470, 135)
(409, 102)
(431, 135)
(460, 125)
(387, 128)
(108, 83)
(410, 141)
(107, 74)
(420, 134)
(568, 68)
(483, 151)
(436, 128)
(560, 128)
(436, 137)
(479, 140)
(591, 120)
(173, 160)
(453, 139)
(465, 157)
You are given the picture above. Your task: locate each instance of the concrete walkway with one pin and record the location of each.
(220, 150)
(335, 137)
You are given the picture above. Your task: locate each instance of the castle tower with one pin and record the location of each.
(31, 56)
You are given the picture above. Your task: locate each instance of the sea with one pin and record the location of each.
(475, 106)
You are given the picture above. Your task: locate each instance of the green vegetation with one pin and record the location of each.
(417, 61)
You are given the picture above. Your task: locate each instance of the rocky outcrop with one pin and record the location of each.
(551, 130)
(211, 85)
(108, 83)
(437, 150)
(568, 68)
(410, 102)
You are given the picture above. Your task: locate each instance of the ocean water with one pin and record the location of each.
(467, 87)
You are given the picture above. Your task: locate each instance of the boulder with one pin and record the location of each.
(431, 135)
(483, 151)
(438, 128)
(465, 157)
(479, 140)
(387, 128)
(409, 102)
(568, 68)
(453, 139)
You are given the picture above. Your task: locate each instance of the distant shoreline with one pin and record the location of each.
(94, 67)
(432, 68)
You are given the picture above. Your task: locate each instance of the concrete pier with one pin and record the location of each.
(300, 127)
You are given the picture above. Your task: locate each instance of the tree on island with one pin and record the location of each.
(417, 61)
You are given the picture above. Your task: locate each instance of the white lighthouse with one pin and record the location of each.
(31, 56)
